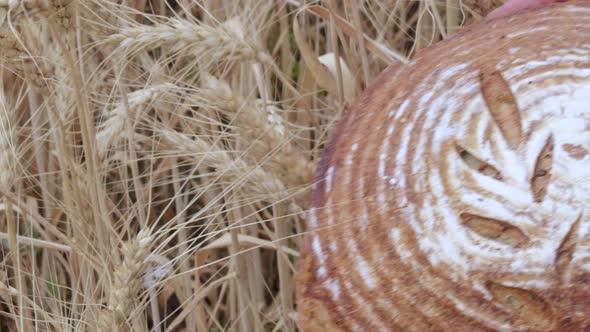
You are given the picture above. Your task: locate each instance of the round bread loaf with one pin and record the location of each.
(453, 196)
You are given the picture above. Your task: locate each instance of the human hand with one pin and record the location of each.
(514, 6)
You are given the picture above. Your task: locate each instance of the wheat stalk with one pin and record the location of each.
(131, 109)
(17, 56)
(64, 11)
(8, 177)
(181, 36)
(263, 127)
(126, 282)
(8, 154)
(253, 179)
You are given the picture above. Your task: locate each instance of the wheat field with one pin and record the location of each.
(156, 156)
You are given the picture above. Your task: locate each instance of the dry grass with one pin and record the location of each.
(155, 157)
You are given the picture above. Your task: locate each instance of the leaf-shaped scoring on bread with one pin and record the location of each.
(566, 249)
(476, 164)
(530, 309)
(493, 229)
(502, 106)
(542, 172)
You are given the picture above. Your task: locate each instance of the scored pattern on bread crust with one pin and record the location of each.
(451, 196)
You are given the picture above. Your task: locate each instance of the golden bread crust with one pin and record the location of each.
(453, 194)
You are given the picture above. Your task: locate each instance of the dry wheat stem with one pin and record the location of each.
(8, 154)
(38, 243)
(47, 318)
(8, 177)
